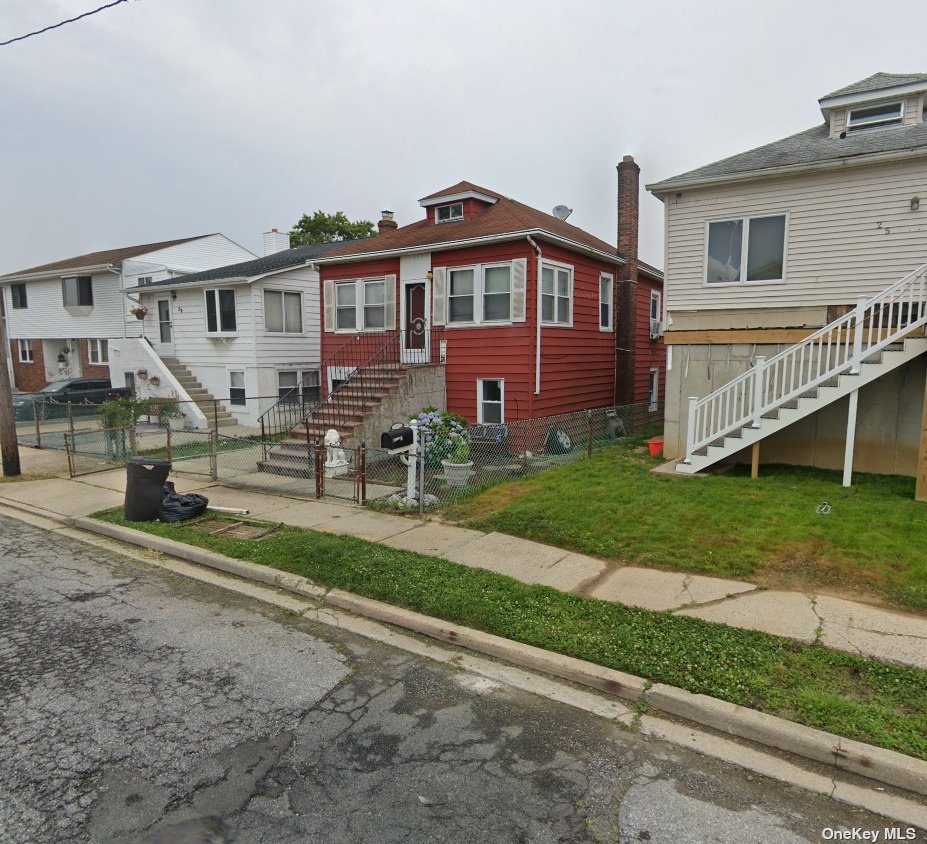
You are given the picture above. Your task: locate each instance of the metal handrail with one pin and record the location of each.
(839, 347)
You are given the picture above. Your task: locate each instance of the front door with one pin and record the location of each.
(165, 329)
(414, 308)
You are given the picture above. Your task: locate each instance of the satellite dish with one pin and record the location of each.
(561, 212)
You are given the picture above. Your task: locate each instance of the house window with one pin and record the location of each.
(449, 213)
(220, 312)
(98, 351)
(490, 395)
(287, 383)
(655, 305)
(872, 116)
(26, 352)
(143, 280)
(283, 312)
(237, 388)
(374, 303)
(750, 249)
(556, 295)
(18, 292)
(460, 299)
(77, 291)
(653, 389)
(497, 293)
(606, 291)
(346, 305)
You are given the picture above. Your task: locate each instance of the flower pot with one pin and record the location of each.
(457, 475)
(655, 445)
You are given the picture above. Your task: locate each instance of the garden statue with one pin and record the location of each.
(335, 461)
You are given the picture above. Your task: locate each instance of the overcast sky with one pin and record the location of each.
(159, 119)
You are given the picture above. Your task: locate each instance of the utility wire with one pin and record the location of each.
(61, 23)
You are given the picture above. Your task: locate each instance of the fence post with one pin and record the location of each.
(70, 420)
(68, 444)
(759, 370)
(169, 456)
(588, 433)
(213, 459)
(362, 474)
(319, 470)
(132, 441)
(37, 414)
(215, 416)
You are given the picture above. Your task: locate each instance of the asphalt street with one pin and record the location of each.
(137, 705)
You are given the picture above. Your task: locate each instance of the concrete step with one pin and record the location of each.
(282, 467)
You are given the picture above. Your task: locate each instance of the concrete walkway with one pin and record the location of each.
(833, 622)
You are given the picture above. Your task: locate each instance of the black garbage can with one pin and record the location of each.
(145, 477)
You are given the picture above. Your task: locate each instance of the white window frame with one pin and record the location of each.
(219, 332)
(479, 401)
(479, 292)
(557, 266)
(360, 299)
(875, 122)
(97, 351)
(282, 293)
(653, 388)
(452, 218)
(609, 280)
(243, 401)
(26, 351)
(656, 305)
(745, 239)
(24, 297)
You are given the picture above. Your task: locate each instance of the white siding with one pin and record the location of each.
(46, 316)
(276, 349)
(204, 253)
(851, 233)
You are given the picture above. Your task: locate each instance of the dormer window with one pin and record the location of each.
(449, 213)
(869, 117)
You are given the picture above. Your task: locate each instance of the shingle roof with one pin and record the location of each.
(258, 266)
(813, 146)
(461, 187)
(878, 81)
(505, 216)
(107, 256)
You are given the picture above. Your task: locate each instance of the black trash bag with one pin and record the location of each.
(178, 508)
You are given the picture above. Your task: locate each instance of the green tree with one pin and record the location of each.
(326, 228)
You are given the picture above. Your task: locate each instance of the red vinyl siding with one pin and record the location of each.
(649, 353)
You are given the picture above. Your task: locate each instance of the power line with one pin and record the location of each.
(61, 23)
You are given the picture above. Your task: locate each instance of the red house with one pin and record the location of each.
(529, 315)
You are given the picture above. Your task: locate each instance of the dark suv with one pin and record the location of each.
(55, 397)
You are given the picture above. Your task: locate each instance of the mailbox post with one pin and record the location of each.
(403, 440)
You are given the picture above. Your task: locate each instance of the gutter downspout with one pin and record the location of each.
(537, 318)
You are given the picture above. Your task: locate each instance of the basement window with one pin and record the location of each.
(869, 117)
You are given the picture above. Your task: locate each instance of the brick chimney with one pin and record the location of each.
(387, 223)
(626, 295)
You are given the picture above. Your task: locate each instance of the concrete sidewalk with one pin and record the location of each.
(834, 622)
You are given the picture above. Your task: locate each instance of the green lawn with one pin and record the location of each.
(853, 696)
(873, 544)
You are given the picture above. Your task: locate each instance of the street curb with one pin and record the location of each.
(884, 766)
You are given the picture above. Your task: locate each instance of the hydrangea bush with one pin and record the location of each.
(442, 431)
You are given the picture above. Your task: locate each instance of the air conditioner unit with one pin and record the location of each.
(656, 329)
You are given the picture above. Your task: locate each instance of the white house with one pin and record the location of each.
(230, 340)
(62, 316)
(795, 292)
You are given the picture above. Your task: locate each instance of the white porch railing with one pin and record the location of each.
(835, 349)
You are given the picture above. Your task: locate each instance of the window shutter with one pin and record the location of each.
(439, 293)
(389, 303)
(519, 283)
(329, 293)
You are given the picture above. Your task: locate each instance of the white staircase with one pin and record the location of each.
(879, 335)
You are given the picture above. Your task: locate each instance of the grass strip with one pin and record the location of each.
(856, 697)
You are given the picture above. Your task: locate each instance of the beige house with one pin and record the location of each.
(795, 292)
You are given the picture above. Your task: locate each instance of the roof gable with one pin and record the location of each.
(877, 82)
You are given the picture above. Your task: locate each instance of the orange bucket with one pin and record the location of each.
(656, 446)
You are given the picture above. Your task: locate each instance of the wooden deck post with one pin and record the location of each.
(851, 439)
(755, 460)
(920, 490)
